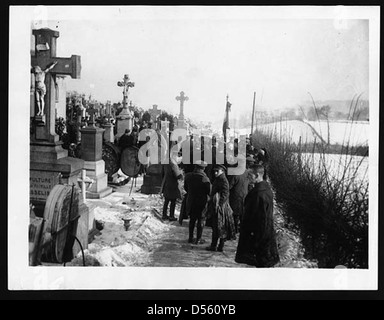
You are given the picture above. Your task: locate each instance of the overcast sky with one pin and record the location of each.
(167, 50)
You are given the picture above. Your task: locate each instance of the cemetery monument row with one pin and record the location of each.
(50, 165)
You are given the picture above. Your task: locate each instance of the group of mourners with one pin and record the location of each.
(234, 206)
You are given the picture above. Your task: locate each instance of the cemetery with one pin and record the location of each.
(80, 176)
(98, 170)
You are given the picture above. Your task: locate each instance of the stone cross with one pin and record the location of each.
(126, 84)
(154, 113)
(182, 98)
(91, 111)
(45, 58)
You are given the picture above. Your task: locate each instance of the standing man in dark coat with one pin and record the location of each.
(257, 243)
(170, 186)
(198, 188)
(238, 187)
(223, 226)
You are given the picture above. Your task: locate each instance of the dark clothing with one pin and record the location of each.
(126, 141)
(257, 243)
(198, 188)
(223, 226)
(171, 209)
(238, 186)
(170, 186)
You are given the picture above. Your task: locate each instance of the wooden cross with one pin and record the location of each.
(45, 58)
(182, 98)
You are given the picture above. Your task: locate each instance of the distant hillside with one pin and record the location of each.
(337, 105)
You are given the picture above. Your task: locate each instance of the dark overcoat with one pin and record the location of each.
(238, 187)
(172, 175)
(198, 188)
(257, 242)
(221, 213)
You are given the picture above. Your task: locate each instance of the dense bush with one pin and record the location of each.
(330, 214)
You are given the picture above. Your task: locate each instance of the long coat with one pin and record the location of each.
(238, 186)
(170, 186)
(257, 243)
(222, 224)
(198, 188)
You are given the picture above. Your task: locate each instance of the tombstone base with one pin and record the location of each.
(47, 152)
(152, 180)
(44, 175)
(96, 171)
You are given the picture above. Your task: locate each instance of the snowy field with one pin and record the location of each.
(341, 132)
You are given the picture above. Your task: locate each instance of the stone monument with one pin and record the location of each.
(49, 162)
(181, 123)
(48, 159)
(108, 133)
(91, 153)
(125, 118)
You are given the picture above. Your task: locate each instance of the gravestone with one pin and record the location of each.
(154, 113)
(108, 133)
(181, 123)
(91, 153)
(49, 162)
(125, 118)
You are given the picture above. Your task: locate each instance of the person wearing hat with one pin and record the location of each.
(198, 188)
(170, 186)
(257, 241)
(223, 227)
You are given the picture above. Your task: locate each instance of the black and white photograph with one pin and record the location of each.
(193, 147)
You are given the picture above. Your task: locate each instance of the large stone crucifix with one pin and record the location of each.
(45, 66)
(126, 84)
(182, 98)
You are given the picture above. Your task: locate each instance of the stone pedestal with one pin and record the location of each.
(182, 124)
(49, 164)
(91, 153)
(108, 133)
(96, 171)
(124, 121)
(152, 180)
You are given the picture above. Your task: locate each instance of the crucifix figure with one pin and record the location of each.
(40, 88)
(182, 98)
(126, 84)
(46, 66)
